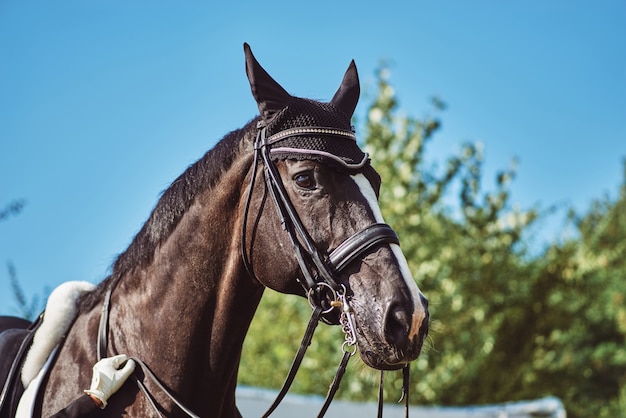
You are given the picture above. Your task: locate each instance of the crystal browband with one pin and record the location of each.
(312, 130)
(352, 166)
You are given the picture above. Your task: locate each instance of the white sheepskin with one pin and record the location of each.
(59, 315)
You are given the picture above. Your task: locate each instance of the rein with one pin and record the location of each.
(102, 348)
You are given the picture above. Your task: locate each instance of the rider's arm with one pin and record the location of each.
(83, 407)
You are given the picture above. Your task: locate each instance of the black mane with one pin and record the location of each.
(173, 203)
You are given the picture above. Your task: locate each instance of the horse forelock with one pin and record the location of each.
(172, 205)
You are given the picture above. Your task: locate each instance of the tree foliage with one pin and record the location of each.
(580, 348)
(464, 252)
(506, 324)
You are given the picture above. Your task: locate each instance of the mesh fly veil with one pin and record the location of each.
(306, 129)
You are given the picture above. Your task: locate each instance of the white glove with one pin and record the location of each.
(108, 377)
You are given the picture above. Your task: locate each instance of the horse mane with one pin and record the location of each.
(171, 207)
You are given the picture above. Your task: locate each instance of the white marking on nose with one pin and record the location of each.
(419, 312)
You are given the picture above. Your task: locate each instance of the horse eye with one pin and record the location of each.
(305, 180)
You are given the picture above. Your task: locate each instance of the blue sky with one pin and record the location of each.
(104, 103)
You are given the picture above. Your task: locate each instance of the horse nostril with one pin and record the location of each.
(397, 325)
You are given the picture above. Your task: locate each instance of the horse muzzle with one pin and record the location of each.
(401, 340)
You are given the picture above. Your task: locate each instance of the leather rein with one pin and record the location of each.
(319, 272)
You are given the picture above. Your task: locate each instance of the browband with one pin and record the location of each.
(310, 130)
(356, 166)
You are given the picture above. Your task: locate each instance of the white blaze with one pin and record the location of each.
(419, 314)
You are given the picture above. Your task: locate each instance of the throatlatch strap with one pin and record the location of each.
(306, 341)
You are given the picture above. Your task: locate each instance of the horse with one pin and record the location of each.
(287, 202)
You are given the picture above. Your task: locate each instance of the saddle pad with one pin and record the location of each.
(59, 316)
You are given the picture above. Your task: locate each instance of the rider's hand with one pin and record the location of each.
(108, 377)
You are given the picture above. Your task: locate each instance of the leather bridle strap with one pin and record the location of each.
(102, 348)
(405, 388)
(298, 234)
(381, 395)
(341, 370)
(405, 391)
(148, 373)
(295, 365)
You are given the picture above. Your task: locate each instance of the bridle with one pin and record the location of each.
(319, 270)
(316, 268)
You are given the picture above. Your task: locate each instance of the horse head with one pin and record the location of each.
(183, 294)
(313, 226)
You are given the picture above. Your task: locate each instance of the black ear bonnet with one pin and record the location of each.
(306, 129)
(302, 129)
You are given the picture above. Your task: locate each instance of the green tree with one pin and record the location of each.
(580, 343)
(507, 324)
(463, 245)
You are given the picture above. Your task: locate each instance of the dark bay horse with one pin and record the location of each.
(288, 202)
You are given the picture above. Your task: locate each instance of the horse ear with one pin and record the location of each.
(347, 96)
(269, 95)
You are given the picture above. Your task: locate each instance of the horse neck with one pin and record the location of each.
(186, 314)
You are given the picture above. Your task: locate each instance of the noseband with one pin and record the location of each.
(319, 270)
